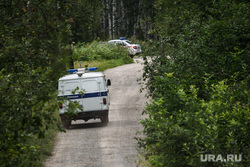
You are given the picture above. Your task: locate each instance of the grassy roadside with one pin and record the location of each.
(42, 146)
(103, 65)
(47, 144)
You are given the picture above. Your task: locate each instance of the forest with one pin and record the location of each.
(197, 79)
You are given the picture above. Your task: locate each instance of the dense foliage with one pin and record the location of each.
(199, 83)
(34, 49)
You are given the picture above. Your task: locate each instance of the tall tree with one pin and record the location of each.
(127, 18)
(84, 18)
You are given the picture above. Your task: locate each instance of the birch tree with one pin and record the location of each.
(128, 18)
(114, 23)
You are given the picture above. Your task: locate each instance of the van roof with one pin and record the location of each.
(84, 75)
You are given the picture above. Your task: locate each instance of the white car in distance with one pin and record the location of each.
(133, 49)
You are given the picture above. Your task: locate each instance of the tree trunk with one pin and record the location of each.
(103, 20)
(113, 18)
(123, 22)
(110, 18)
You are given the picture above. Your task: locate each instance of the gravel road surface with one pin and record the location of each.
(89, 144)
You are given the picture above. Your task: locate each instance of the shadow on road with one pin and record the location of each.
(97, 124)
(86, 125)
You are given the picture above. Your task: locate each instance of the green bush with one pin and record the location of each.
(97, 51)
(181, 126)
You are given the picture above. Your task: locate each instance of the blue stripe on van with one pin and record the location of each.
(86, 95)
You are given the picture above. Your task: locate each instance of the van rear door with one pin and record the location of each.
(92, 96)
(71, 91)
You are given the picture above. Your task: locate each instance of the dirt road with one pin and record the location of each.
(91, 145)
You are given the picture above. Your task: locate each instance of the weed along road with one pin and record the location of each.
(89, 144)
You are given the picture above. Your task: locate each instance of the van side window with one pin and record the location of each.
(90, 85)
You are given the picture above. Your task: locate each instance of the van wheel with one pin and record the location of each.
(105, 119)
(66, 123)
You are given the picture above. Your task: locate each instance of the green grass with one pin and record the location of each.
(98, 51)
(46, 144)
(103, 65)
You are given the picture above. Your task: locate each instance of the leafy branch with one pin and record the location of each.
(25, 11)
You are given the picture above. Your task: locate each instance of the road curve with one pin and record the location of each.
(92, 145)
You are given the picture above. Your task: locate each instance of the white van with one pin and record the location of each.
(89, 90)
